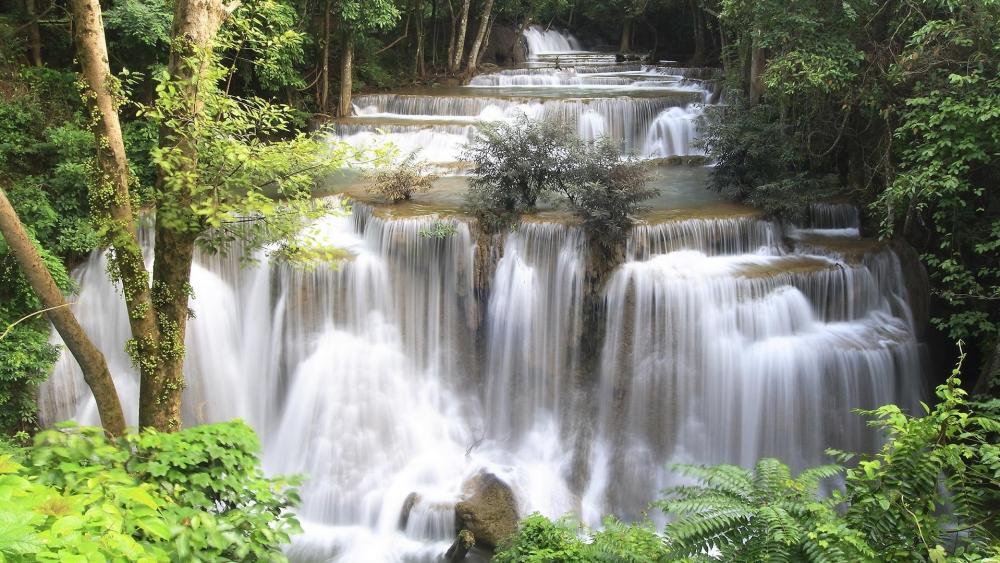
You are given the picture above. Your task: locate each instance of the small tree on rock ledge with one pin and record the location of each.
(516, 164)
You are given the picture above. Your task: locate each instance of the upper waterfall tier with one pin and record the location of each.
(545, 41)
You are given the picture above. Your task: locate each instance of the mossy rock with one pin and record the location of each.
(488, 511)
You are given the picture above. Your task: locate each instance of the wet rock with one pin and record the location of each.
(404, 515)
(918, 285)
(505, 47)
(458, 550)
(488, 511)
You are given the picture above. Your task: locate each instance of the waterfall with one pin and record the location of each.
(533, 327)
(391, 376)
(544, 41)
(672, 133)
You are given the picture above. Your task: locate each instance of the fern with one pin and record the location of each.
(759, 515)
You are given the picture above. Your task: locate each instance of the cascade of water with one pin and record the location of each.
(657, 123)
(543, 41)
(533, 327)
(394, 374)
(733, 358)
(672, 133)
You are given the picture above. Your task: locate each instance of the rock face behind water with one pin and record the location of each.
(489, 510)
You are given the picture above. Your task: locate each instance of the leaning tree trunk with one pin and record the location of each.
(110, 199)
(344, 109)
(484, 23)
(196, 24)
(486, 43)
(463, 24)
(91, 360)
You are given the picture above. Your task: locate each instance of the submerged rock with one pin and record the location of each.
(488, 511)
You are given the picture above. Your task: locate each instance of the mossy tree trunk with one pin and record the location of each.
(196, 24)
(157, 315)
(110, 199)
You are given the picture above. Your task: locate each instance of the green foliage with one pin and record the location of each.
(263, 41)
(195, 495)
(227, 157)
(46, 163)
(901, 103)
(366, 16)
(605, 190)
(540, 540)
(398, 181)
(930, 494)
(516, 164)
(933, 489)
(438, 230)
(759, 515)
(949, 138)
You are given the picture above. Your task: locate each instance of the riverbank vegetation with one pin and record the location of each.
(194, 495)
(930, 494)
(892, 105)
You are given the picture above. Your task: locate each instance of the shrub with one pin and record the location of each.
(438, 230)
(516, 164)
(195, 495)
(541, 540)
(399, 181)
(606, 191)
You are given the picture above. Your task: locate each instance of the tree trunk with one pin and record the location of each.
(757, 61)
(346, 75)
(418, 63)
(91, 360)
(34, 33)
(196, 24)
(626, 43)
(434, 34)
(110, 199)
(484, 23)
(452, 36)
(698, 59)
(486, 43)
(324, 72)
(463, 24)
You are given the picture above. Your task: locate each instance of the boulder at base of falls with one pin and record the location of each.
(488, 510)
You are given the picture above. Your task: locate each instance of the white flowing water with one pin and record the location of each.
(648, 110)
(546, 41)
(416, 363)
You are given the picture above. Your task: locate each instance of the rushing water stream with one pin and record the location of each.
(402, 370)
